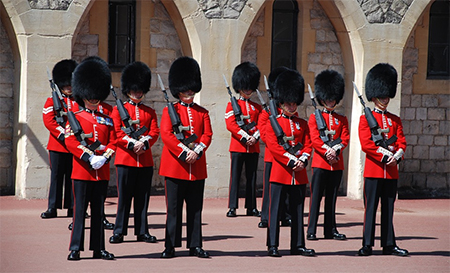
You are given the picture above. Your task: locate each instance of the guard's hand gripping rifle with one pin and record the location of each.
(178, 128)
(126, 119)
(238, 112)
(375, 129)
(322, 125)
(59, 105)
(279, 133)
(79, 134)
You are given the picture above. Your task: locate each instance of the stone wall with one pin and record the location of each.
(6, 114)
(167, 47)
(426, 123)
(385, 11)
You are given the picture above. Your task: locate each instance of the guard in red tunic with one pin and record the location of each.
(381, 165)
(91, 84)
(263, 121)
(244, 144)
(327, 163)
(290, 145)
(134, 160)
(183, 164)
(60, 158)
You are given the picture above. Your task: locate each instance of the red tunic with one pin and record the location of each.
(147, 117)
(56, 130)
(102, 129)
(248, 108)
(339, 124)
(281, 172)
(198, 119)
(374, 167)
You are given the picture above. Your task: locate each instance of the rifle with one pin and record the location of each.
(126, 119)
(279, 133)
(79, 134)
(272, 102)
(238, 112)
(59, 105)
(178, 128)
(375, 129)
(322, 125)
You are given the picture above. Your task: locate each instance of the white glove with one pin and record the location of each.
(97, 161)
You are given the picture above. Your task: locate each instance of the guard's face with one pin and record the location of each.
(136, 96)
(91, 104)
(329, 104)
(67, 90)
(187, 96)
(381, 103)
(289, 108)
(246, 94)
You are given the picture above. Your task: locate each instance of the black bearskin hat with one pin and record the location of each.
(290, 87)
(329, 85)
(136, 76)
(62, 72)
(245, 77)
(381, 81)
(184, 75)
(273, 76)
(91, 80)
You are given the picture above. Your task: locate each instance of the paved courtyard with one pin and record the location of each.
(31, 244)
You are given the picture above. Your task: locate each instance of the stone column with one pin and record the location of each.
(216, 43)
(44, 37)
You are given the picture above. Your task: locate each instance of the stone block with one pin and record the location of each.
(314, 58)
(335, 47)
(432, 127)
(440, 140)
(320, 35)
(155, 25)
(88, 39)
(327, 58)
(444, 101)
(426, 140)
(427, 166)
(419, 180)
(331, 36)
(6, 91)
(420, 152)
(337, 59)
(411, 139)
(444, 127)
(6, 75)
(407, 87)
(158, 40)
(437, 153)
(443, 166)
(436, 181)
(416, 100)
(436, 113)
(410, 113)
(411, 166)
(429, 101)
(167, 27)
(421, 113)
(322, 47)
(415, 127)
(404, 180)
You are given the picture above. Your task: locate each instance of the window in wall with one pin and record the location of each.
(121, 36)
(439, 41)
(284, 34)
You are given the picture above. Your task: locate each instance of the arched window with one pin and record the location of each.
(121, 36)
(284, 34)
(439, 41)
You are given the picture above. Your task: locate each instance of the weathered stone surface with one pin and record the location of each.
(224, 9)
(50, 4)
(384, 11)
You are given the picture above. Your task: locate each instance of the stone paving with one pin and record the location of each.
(31, 244)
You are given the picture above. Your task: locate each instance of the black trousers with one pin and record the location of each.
(251, 165)
(61, 171)
(284, 215)
(296, 203)
(133, 182)
(328, 182)
(386, 190)
(86, 192)
(177, 192)
(266, 192)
